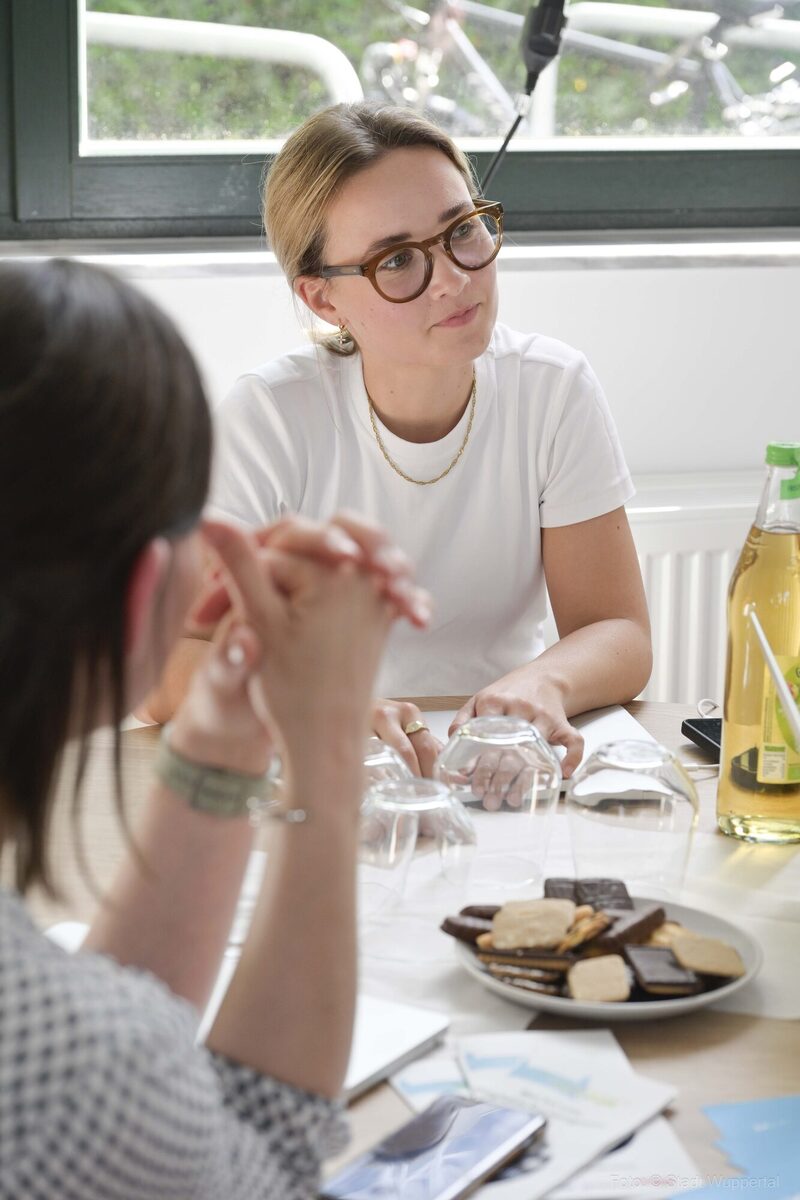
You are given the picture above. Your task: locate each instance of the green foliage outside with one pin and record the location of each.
(157, 95)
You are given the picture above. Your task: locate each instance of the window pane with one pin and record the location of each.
(213, 73)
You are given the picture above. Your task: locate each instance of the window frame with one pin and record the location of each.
(48, 191)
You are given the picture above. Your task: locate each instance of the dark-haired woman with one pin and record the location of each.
(104, 460)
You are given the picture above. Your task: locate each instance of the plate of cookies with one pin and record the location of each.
(588, 949)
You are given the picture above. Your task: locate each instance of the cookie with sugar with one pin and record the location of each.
(602, 980)
(707, 956)
(532, 923)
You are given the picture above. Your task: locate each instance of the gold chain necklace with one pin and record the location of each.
(461, 449)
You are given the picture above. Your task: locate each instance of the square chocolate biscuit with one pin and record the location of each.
(658, 971)
(629, 926)
(559, 889)
(602, 893)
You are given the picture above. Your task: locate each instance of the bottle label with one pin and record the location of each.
(790, 488)
(778, 752)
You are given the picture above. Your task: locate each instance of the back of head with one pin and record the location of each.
(104, 444)
(317, 160)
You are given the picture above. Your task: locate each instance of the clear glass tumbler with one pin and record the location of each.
(390, 817)
(509, 778)
(387, 837)
(632, 810)
(382, 762)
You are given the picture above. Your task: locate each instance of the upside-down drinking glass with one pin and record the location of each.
(509, 778)
(632, 810)
(390, 817)
(382, 762)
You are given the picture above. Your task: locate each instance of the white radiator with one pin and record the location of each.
(688, 530)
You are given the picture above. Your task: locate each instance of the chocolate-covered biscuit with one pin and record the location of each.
(629, 926)
(465, 929)
(602, 893)
(532, 985)
(533, 974)
(559, 888)
(546, 960)
(484, 911)
(658, 971)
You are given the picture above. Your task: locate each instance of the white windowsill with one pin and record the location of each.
(182, 258)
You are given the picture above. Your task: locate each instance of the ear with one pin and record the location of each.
(315, 294)
(143, 583)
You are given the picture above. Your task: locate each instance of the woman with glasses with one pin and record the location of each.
(491, 455)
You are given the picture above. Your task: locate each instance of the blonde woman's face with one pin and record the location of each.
(409, 195)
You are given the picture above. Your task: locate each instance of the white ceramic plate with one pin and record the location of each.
(648, 1010)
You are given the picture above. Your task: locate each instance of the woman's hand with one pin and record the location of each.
(322, 629)
(216, 722)
(346, 538)
(520, 694)
(418, 750)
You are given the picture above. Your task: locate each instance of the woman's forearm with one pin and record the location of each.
(171, 906)
(607, 662)
(289, 1009)
(170, 909)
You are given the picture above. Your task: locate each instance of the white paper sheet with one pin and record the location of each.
(584, 1086)
(651, 1165)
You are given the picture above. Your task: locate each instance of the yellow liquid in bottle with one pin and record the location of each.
(767, 577)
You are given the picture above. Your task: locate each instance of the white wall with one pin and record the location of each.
(699, 362)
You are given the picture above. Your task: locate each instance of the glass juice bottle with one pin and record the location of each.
(759, 779)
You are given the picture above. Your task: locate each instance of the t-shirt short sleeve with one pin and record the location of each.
(582, 468)
(254, 462)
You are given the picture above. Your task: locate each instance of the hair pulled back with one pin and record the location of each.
(105, 444)
(318, 159)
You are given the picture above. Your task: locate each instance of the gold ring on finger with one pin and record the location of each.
(414, 727)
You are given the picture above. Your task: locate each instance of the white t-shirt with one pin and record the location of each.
(294, 436)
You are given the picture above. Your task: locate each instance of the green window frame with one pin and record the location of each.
(48, 191)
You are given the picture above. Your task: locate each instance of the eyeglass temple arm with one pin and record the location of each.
(327, 272)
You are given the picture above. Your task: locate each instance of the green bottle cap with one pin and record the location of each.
(783, 454)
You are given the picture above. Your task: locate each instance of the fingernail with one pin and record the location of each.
(391, 559)
(338, 541)
(234, 653)
(421, 611)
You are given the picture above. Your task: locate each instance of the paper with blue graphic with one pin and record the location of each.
(651, 1164)
(760, 1138)
(591, 1101)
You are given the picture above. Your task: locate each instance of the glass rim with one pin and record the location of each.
(625, 753)
(507, 730)
(414, 783)
(413, 795)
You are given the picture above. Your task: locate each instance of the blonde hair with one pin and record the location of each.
(317, 160)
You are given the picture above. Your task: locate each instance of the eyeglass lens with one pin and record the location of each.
(401, 274)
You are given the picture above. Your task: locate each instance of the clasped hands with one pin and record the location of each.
(301, 610)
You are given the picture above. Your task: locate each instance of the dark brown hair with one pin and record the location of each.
(105, 443)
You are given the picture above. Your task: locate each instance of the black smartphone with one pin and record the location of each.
(444, 1153)
(705, 732)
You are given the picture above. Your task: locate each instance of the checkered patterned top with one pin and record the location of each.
(105, 1096)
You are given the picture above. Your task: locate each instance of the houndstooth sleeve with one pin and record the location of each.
(105, 1096)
